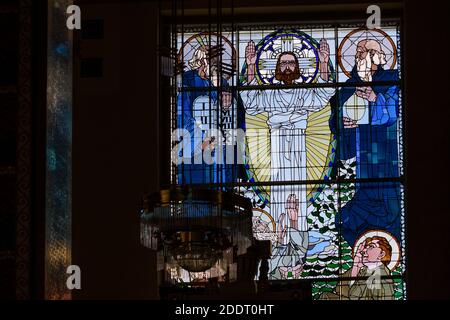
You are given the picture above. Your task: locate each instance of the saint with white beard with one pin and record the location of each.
(373, 143)
(288, 110)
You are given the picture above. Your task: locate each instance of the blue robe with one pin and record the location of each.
(375, 206)
(205, 173)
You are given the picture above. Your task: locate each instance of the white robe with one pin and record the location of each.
(288, 112)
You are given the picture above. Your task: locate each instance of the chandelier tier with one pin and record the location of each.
(197, 230)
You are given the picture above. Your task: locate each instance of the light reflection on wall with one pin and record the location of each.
(59, 152)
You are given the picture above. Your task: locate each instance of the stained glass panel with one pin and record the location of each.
(307, 123)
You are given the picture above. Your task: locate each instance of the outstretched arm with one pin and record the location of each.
(314, 99)
(250, 59)
(324, 58)
(254, 101)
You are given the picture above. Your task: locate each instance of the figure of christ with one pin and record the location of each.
(288, 110)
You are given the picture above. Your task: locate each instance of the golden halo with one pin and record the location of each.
(396, 249)
(268, 217)
(350, 34)
(198, 38)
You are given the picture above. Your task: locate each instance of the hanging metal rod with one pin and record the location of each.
(297, 86)
(400, 179)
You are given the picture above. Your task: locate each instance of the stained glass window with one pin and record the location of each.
(306, 121)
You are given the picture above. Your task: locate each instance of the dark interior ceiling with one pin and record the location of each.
(249, 7)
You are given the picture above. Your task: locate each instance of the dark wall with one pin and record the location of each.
(114, 153)
(114, 150)
(9, 53)
(427, 123)
(16, 146)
